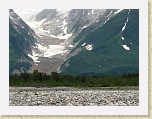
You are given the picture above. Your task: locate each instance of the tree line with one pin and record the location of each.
(39, 79)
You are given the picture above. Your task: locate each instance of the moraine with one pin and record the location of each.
(68, 96)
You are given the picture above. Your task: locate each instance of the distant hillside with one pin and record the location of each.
(111, 49)
(21, 37)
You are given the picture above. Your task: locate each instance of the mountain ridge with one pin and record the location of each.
(82, 41)
(107, 50)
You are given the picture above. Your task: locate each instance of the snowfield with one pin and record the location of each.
(47, 51)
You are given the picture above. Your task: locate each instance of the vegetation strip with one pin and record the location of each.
(39, 79)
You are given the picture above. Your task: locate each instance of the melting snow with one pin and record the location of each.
(125, 25)
(126, 22)
(107, 20)
(125, 47)
(34, 56)
(47, 23)
(48, 51)
(83, 44)
(129, 11)
(34, 47)
(65, 36)
(109, 14)
(39, 36)
(54, 50)
(118, 11)
(92, 11)
(71, 46)
(89, 47)
(53, 36)
(63, 11)
(122, 38)
(65, 30)
(11, 17)
(84, 27)
(42, 48)
(64, 23)
(37, 26)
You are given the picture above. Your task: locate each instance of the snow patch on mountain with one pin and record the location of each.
(11, 17)
(64, 36)
(63, 11)
(37, 27)
(122, 38)
(109, 14)
(126, 22)
(118, 11)
(89, 47)
(92, 11)
(125, 47)
(34, 56)
(83, 44)
(84, 27)
(27, 14)
(71, 46)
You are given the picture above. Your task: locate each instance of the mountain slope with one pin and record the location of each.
(21, 38)
(110, 49)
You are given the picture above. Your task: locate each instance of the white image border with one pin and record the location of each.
(142, 5)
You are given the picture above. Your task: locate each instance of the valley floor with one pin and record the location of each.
(69, 96)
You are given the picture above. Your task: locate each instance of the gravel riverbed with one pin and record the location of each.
(67, 96)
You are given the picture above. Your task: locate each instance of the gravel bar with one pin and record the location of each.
(68, 96)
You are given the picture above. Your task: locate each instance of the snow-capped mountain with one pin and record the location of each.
(27, 14)
(65, 23)
(61, 34)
